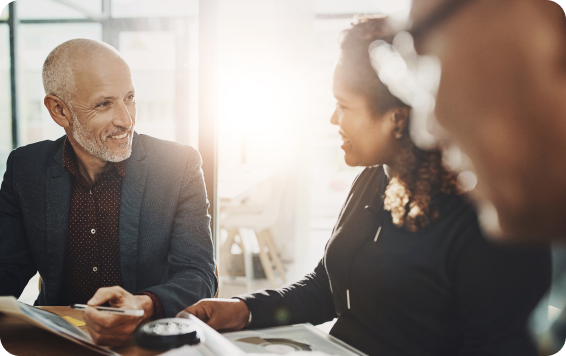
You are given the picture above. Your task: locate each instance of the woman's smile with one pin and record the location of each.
(345, 141)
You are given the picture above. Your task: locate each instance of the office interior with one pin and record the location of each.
(247, 82)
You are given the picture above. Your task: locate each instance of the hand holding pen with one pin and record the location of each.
(113, 326)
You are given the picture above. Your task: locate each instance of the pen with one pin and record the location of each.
(133, 312)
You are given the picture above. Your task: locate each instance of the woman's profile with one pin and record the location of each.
(406, 270)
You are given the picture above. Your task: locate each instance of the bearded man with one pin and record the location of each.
(104, 214)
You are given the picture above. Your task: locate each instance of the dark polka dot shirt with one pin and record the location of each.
(92, 256)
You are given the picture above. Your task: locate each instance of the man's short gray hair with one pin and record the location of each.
(58, 77)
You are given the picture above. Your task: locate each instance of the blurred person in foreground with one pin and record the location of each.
(500, 99)
(103, 214)
(406, 270)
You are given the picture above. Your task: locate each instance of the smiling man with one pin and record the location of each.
(104, 214)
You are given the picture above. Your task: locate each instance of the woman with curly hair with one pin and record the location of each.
(406, 270)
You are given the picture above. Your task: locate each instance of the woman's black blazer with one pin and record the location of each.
(444, 290)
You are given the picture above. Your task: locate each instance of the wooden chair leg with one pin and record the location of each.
(265, 262)
(225, 251)
(240, 242)
(274, 255)
(248, 258)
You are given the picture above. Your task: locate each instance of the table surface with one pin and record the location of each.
(23, 339)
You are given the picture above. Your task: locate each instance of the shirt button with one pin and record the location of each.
(93, 231)
(94, 269)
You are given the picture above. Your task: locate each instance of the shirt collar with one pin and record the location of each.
(69, 161)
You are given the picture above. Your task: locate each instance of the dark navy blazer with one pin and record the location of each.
(164, 229)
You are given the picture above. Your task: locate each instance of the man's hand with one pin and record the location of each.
(221, 314)
(113, 329)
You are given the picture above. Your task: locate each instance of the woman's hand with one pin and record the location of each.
(221, 314)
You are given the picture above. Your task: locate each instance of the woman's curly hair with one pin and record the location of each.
(421, 174)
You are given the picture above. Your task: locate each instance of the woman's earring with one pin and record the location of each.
(398, 135)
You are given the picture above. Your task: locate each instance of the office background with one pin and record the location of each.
(247, 82)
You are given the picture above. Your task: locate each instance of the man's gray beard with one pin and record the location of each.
(87, 140)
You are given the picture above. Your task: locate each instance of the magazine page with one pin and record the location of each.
(50, 322)
(290, 339)
(196, 351)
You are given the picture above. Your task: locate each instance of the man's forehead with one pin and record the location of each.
(101, 69)
(109, 77)
(423, 8)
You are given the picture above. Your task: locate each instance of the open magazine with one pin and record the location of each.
(300, 339)
(50, 322)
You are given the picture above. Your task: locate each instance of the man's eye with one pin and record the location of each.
(106, 103)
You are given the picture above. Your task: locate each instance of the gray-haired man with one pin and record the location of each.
(104, 214)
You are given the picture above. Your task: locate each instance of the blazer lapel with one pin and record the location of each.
(133, 187)
(58, 205)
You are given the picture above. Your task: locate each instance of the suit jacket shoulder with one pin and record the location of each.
(166, 153)
(33, 157)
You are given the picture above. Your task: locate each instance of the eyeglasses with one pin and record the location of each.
(414, 79)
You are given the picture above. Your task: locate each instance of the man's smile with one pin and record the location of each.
(118, 137)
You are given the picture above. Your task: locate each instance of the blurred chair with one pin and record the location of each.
(260, 220)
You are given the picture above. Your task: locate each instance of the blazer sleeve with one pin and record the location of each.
(497, 287)
(16, 262)
(191, 257)
(306, 301)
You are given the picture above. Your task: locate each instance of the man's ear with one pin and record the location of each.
(400, 118)
(58, 110)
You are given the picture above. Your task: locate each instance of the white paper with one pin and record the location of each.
(297, 353)
(184, 351)
(290, 340)
(202, 351)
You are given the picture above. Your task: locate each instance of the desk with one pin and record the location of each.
(23, 339)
